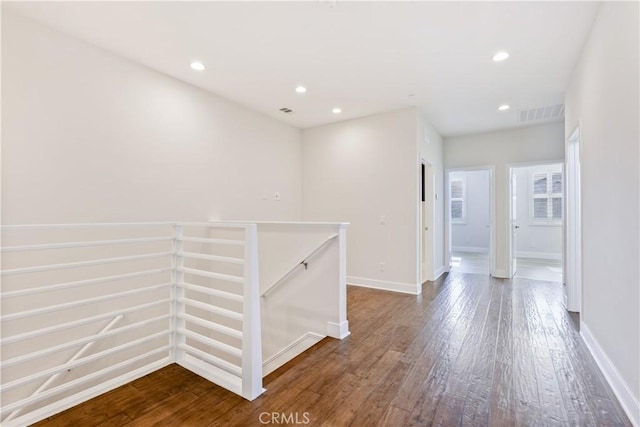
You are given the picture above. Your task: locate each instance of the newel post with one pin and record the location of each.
(251, 331)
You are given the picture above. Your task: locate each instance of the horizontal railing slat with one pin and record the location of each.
(90, 377)
(230, 350)
(79, 362)
(80, 322)
(211, 308)
(213, 292)
(216, 361)
(206, 257)
(234, 333)
(80, 341)
(87, 244)
(88, 263)
(211, 275)
(212, 241)
(87, 282)
(102, 387)
(83, 225)
(58, 307)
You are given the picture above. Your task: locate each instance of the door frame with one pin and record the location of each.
(511, 252)
(426, 240)
(573, 222)
(492, 214)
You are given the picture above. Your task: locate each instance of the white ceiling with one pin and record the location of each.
(365, 57)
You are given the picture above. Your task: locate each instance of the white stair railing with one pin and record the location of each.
(205, 316)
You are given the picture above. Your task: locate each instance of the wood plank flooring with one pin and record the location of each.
(469, 351)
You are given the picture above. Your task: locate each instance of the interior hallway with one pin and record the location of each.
(470, 351)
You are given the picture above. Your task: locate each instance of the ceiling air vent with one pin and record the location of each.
(550, 112)
(286, 110)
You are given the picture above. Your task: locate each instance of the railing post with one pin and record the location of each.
(340, 329)
(177, 292)
(251, 331)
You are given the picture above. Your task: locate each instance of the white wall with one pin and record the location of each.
(533, 144)
(603, 99)
(535, 240)
(91, 137)
(473, 234)
(365, 171)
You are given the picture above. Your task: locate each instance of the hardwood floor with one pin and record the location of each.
(471, 351)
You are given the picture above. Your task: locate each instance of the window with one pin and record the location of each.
(457, 190)
(546, 197)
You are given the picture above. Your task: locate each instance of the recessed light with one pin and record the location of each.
(504, 107)
(198, 66)
(500, 56)
(336, 111)
(301, 89)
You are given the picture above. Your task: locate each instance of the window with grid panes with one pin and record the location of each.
(546, 198)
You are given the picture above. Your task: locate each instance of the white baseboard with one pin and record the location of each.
(303, 343)
(439, 272)
(629, 403)
(538, 255)
(338, 330)
(405, 288)
(476, 249)
(500, 274)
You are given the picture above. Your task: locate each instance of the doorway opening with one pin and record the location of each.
(573, 223)
(470, 214)
(536, 217)
(426, 214)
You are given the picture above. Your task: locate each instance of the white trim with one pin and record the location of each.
(476, 249)
(291, 351)
(501, 274)
(439, 272)
(629, 403)
(573, 222)
(539, 255)
(405, 288)
(338, 330)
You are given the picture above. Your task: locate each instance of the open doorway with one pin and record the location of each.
(573, 223)
(536, 218)
(426, 214)
(470, 214)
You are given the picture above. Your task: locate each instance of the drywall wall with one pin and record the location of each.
(532, 144)
(430, 151)
(88, 136)
(603, 99)
(365, 171)
(535, 240)
(472, 235)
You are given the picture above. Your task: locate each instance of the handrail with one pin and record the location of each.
(294, 268)
(57, 375)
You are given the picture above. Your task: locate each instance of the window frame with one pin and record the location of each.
(463, 199)
(549, 195)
